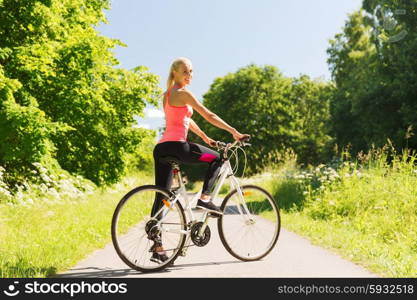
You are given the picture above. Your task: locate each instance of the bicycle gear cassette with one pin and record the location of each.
(203, 240)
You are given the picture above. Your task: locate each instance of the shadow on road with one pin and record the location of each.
(94, 272)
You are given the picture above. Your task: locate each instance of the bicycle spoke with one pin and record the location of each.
(134, 232)
(249, 236)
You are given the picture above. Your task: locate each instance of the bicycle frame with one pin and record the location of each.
(226, 171)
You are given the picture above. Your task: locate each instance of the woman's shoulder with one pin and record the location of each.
(182, 90)
(184, 93)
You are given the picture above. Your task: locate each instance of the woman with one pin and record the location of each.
(178, 105)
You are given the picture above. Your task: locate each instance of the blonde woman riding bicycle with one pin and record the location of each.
(153, 224)
(179, 104)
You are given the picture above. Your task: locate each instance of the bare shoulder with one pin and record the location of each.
(184, 92)
(186, 96)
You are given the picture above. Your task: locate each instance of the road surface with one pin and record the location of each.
(293, 256)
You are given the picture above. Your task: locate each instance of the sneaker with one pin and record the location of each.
(159, 258)
(209, 206)
(159, 255)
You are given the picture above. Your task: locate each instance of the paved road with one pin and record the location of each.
(293, 256)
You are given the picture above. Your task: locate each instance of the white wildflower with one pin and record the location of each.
(43, 187)
(49, 213)
(53, 192)
(19, 195)
(333, 177)
(5, 192)
(46, 178)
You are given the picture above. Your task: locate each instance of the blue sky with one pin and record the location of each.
(222, 36)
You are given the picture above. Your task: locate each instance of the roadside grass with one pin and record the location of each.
(43, 237)
(47, 237)
(365, 210)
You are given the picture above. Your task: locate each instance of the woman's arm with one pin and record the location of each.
(211, 117)
(194, 128)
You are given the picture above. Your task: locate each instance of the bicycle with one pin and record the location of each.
(249, 227)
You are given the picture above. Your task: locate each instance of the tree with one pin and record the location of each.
(280, 113)
(352, 59)
(394, 24)
(312, 117)
(374, 68)
(254, 100)
(64, 75)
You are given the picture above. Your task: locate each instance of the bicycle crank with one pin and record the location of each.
(198, 240)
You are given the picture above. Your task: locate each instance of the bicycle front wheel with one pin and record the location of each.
(250, 225)
(134, 231)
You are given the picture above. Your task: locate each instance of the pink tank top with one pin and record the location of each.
(177, 121)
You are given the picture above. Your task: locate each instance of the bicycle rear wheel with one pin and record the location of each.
(134, 231)
(250, 225)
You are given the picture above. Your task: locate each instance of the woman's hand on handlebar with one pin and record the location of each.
(210, 142)
(239, 136)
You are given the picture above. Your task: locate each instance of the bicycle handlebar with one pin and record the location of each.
(227, 146)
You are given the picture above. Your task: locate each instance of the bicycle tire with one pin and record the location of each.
(118, 233)
(232, 216)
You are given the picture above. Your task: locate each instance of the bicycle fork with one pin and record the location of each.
(241, 202)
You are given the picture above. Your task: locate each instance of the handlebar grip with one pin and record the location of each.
(244, 139)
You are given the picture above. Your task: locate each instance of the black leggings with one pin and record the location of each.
(185, 152)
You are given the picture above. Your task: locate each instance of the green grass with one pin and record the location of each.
(368, 214)
(44, 238)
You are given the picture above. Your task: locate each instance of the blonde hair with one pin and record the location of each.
(174, 67)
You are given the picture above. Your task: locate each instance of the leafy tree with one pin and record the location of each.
(254, 100)
(312, 117)
(64, 77)
(394, 24)
(25, 133)
(352, 60)
(280, 113)
(373, 63)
